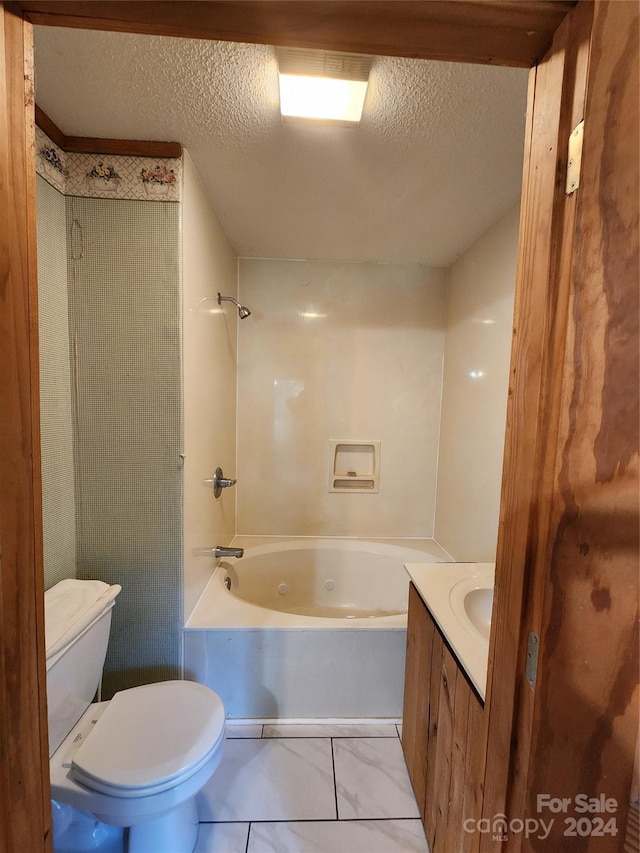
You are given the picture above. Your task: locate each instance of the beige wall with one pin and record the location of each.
(338, 351)
(480, 292)
(209, 265)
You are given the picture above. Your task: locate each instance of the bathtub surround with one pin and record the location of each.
(480, 293)
(124, 332)
(209, 265)
(346, 352)
(341, 353)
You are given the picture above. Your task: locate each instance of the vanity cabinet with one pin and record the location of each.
(443, 735)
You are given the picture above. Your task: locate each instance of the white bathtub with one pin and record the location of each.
(310, 628)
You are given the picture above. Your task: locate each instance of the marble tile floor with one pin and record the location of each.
(310, 788)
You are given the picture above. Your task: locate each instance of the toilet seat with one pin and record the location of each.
(150, 739)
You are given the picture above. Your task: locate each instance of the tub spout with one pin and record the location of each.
(218, 551)
(228, 552)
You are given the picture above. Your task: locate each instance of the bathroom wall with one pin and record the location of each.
(125, 321)
(58, 488)
(338, 351)
(480, 292)
(209, 266)
(116, 223)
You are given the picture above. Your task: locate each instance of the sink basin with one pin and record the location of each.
(471, 600)
(478, 604)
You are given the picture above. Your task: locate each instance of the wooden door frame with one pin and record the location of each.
(556, 105)
(458, 30)
(578, 730)
(24, 783)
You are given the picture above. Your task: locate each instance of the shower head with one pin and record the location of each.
(242, 310)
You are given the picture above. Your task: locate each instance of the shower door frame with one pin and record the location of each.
(435, 30)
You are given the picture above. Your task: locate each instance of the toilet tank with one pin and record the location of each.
(77, 625)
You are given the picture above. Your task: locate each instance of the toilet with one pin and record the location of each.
(124, 773)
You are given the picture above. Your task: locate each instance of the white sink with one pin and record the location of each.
(460, 598)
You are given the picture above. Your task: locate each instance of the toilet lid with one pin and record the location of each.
(150, 737)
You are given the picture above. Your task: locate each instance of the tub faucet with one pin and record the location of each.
(228, 552)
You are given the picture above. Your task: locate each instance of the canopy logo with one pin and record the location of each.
(499, 826)
(585, 820)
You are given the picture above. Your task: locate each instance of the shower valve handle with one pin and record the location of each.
(224, 483)
(219, 482)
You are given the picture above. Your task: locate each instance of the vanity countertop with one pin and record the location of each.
(459, 597)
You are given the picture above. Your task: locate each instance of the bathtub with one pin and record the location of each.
(306, 628)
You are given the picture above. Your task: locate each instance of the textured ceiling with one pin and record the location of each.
(435, 161)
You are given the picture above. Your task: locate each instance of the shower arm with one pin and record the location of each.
(222, 299)
(243, 311)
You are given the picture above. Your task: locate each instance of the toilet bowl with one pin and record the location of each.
(137, 761)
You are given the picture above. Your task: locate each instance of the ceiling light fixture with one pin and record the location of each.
(322, 84)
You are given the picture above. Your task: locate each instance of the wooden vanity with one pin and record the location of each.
(444, 733)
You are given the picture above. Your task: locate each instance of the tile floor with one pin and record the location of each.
(310, 788)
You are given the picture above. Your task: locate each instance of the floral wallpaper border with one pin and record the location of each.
(51, 161)
(106, 175)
